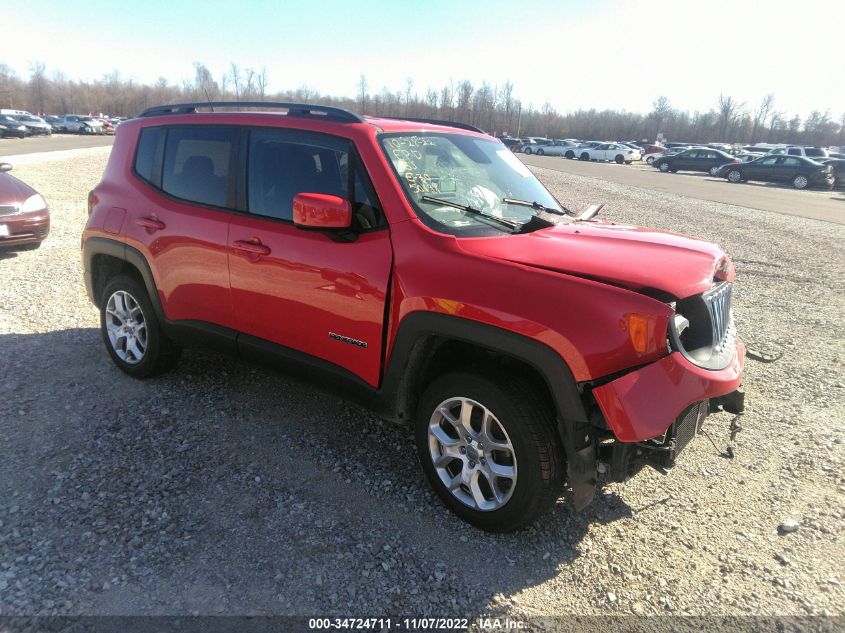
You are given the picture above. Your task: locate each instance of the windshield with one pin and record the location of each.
(467, 171)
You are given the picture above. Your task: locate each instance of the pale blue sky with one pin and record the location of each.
(603, 54)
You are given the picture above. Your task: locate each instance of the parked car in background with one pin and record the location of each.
(610, 151)
(667, 151)
(798, 171)
(81, 124)
(24, 217)
(54, 122)
(508, 141)
(649, 149)
(108, 126)
(557, 148)
(696, 159)
(532, 143)
(9, 126)
(36, 126)
(747, 157)
(801, 150)
(837, 166)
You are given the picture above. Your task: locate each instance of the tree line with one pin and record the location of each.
(494, 108)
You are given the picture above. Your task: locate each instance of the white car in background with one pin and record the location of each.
(81, 124)
(611, 151)
(557, 148)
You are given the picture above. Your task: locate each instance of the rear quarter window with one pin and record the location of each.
(146, 153)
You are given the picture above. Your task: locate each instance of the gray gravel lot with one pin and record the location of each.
(227, 488)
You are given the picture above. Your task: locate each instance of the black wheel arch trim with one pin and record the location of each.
(418, 330)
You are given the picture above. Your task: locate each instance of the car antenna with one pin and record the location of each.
(205, 90)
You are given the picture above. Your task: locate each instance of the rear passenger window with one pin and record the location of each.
(145, 156)
(196, 164)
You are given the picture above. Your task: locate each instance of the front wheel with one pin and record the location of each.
(131, 331)
(570, 154)
(734, 176)
(585, 156)
(664, 167)
(540, 152)
(800, 182)
(526, 150)
(490, 450)
(649, 160)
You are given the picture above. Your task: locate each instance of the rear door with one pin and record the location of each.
(762, 169)
(178, 217)
(310, 291)
(789, 167)
(685, 160)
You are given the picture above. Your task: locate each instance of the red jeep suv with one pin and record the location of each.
(419, 267)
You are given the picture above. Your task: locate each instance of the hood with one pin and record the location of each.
(629, 256)
(13, 191)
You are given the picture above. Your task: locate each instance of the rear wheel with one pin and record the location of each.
(490, 450)
(540, 152)
(570, 154)
(585, 156)
(131, 331)
(526, 150)
(620, 159)
(800, 182)
(664, 167)
(714, 170)
(649, 160)
(734, 175)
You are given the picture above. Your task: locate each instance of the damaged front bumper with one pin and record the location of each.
(654, 412)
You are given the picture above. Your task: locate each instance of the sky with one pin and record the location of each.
(571, 54)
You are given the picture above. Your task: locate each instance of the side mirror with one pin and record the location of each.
(5, 167)
(321, 211)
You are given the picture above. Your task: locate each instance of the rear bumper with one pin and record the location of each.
(643, 404)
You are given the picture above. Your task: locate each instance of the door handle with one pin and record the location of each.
(152, 224)
(253, 247)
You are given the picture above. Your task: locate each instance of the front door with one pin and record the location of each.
(310, 291)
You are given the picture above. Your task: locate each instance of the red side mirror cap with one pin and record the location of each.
(321, 211)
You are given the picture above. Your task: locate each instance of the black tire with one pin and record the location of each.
(540, 152)
(570, 154)
(161, 354)
(585, 156)
(714, 170)
(619, 159)
(528, 421)
(649, 160)
(664, 167)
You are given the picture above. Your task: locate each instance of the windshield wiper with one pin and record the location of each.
(533, 205)
(515, 226)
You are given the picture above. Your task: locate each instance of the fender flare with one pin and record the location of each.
(104, 246)
(419, 331)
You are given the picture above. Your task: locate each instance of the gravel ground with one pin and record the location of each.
(226, 488)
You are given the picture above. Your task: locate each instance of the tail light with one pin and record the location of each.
(92, 201)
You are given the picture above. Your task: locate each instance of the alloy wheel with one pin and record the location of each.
(126, 327)
(800, 182)
(472, 454)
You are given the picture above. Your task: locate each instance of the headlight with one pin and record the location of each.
(33, 203)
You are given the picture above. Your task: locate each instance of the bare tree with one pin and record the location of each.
(261, 83)
(409, 86)
(431, 100)
(38, 85)
(763, 111)
(729, 109)
(235, 76)
(362, 92)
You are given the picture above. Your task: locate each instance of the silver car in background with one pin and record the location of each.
(556, 148)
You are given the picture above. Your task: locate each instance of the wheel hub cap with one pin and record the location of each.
(472, 454)
(126, 327)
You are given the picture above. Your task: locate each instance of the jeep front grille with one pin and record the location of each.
(718, 301)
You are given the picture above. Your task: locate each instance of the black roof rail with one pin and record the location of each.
(460, 126)
(293, 109)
